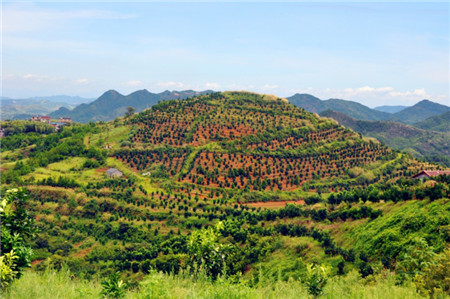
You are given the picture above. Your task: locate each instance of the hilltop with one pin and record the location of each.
(419, 112)
(353, 109)
(407, 115)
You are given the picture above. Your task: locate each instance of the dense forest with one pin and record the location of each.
(222, 195)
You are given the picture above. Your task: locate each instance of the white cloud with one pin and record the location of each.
(213, 86)
(171, 84)
(268, 87)
(133, 83)
(416, 92)
(82, 81)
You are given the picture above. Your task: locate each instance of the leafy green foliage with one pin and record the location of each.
(16, 230)
(316, 279)
(114, 287)
(207, 252)
(434, 280)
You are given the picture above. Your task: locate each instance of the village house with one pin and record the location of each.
(65, 120)
(44, 119)
(113, 173)
(426, 174)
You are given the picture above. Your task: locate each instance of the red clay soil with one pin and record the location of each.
(35, 262)
(272, 204)
(102, 169)
(82, 253)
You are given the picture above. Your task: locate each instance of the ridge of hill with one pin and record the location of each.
(421, 143)
(390, 109)
(440, 122)
(353, 109)
(420, 111)
(112, 104)
(408, 115)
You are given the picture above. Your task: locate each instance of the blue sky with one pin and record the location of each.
(373, 53)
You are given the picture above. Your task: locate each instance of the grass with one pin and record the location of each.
(67, 168)
(111, 135)
(140, 180)
(63, 284)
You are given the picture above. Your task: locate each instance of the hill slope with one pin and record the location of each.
(112, 104)
(205, 167)
(390, 109)
(420, 111)
(421, 143)
(439, 122)
(353, 109)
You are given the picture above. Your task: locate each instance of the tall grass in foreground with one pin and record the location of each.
(61, 284)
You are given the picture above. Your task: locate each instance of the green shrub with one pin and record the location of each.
(316, 279)
(114, 287)
(16, 230)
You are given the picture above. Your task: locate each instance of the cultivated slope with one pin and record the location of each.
(239, 140)
(420, 143)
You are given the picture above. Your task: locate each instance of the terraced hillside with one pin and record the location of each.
(212, 163)
(228, 141)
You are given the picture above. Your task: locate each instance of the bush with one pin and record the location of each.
(114, 287)
(16, 230)
(316, 279)
(436, 277)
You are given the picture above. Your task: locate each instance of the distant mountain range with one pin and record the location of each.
(112, 104)
(419, 112)
(433, 146)
(356, 110)
(25, 108)
(409, 115)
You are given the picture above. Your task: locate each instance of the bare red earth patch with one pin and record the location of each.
(35, 262)
(272, 204)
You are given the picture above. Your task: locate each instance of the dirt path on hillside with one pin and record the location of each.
(273, 204)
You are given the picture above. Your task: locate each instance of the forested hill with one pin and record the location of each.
(353, 109)
(440, 122)
(419, 112)
(407, 115)
(113, 104)
(430, 145)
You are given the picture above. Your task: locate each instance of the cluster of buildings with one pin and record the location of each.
(46, 119)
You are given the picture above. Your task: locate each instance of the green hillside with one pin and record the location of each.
(237, 192)
(439, 123)
(430, 145)
(353, 109)
(419, 112)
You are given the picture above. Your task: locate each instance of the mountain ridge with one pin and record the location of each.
(421, 143)
(112, 104)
